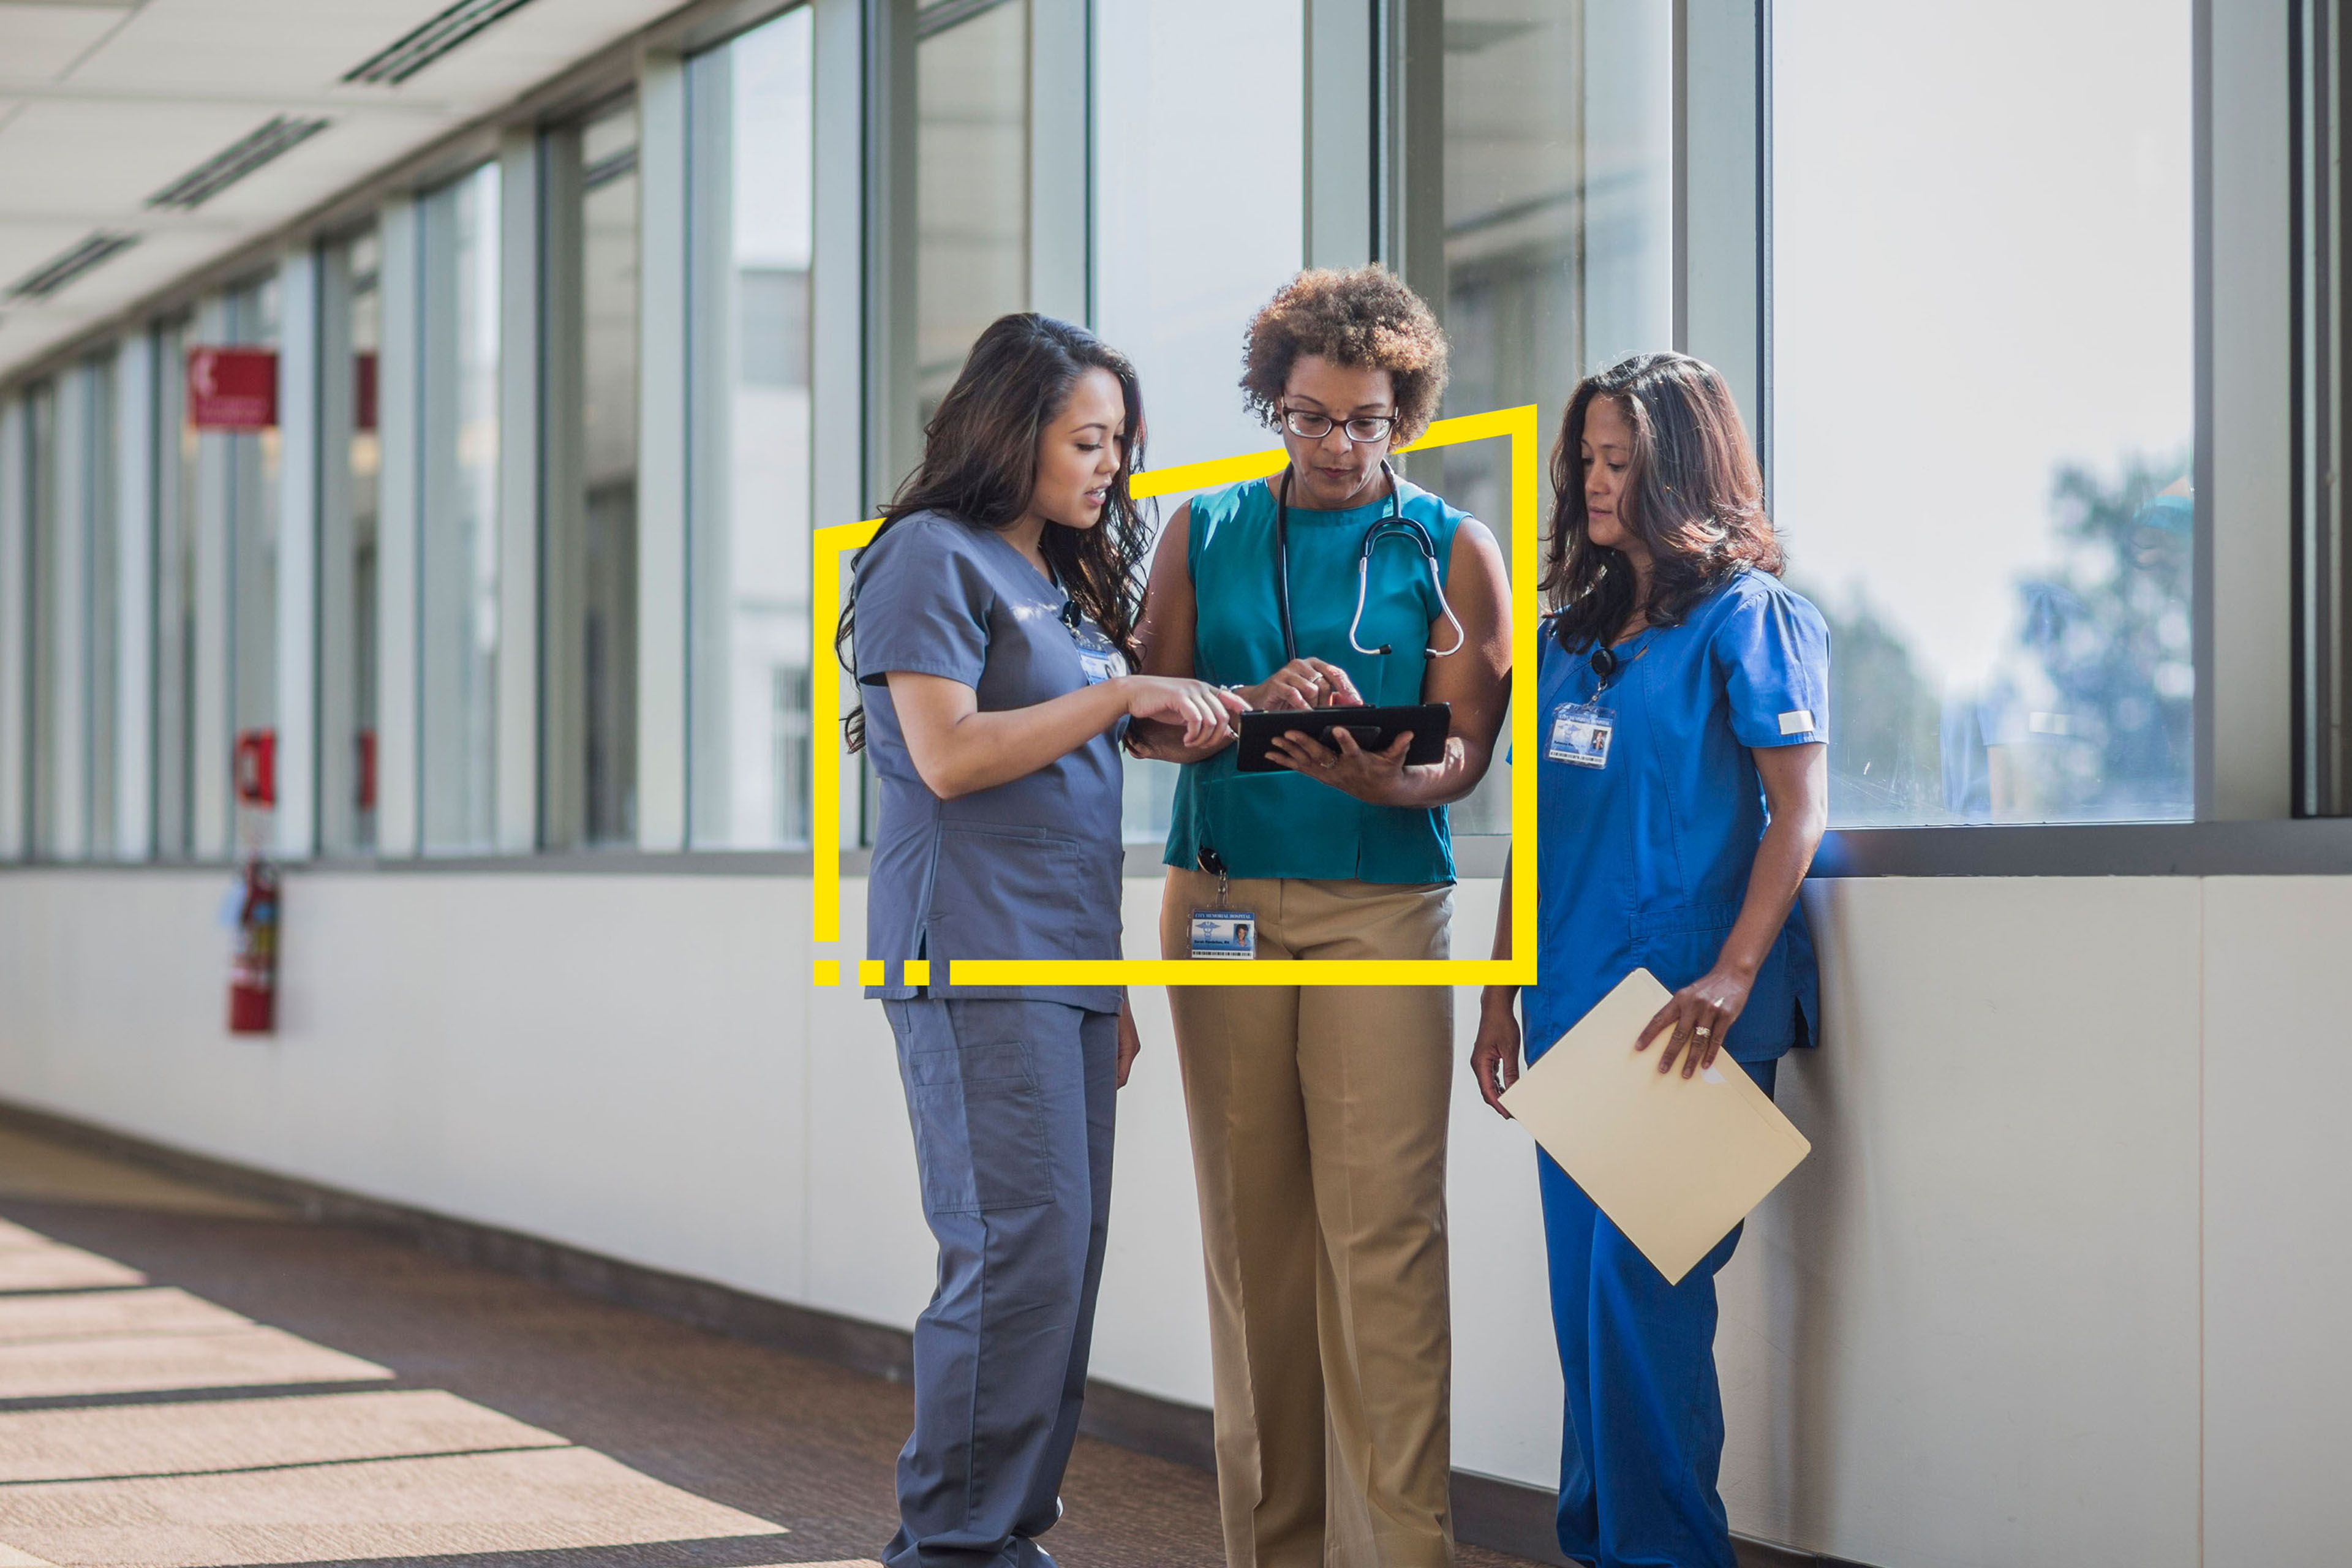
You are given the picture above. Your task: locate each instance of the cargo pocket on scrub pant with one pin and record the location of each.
(980, 1123)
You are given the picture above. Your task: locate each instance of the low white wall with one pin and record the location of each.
(2059, 1285)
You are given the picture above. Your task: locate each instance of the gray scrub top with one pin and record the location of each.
(1030, 869)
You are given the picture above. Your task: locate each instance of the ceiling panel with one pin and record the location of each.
(41, 42)
(182, 80)
(102, 160)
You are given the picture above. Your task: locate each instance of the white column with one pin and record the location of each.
(69, 586)
(14, 768)
(2245, 417)
(1720, 252)
(297, 817)
(1061, 156)
(135, 389)
(662, 411)
(519, 492)
(894, 442)
(398, 523)
(1342, 128)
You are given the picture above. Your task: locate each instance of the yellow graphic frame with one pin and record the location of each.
(1519, 425)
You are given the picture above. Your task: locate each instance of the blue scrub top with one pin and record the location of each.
(1286, 824)
(1030, 869)
(1644, 862)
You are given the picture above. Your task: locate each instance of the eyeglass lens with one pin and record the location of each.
(1315, 426)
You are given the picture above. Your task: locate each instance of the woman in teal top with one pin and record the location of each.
(1319, 1113)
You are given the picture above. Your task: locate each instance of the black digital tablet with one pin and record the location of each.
(1374, 729)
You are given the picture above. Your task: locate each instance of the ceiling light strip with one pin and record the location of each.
(416, 50)
(281, 135)
(54, 274)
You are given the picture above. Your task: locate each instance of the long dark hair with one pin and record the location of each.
(1693, 494)
(979, 466)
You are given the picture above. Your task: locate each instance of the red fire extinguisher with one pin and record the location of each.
(253, 960)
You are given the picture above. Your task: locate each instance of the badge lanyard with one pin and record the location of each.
(1581, 731)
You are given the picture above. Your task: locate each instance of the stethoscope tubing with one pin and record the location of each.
(1395, 525)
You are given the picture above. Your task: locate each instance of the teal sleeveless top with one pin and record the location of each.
(1284, 824)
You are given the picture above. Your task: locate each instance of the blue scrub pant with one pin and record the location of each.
(1643, 1440)
(1011, 1104)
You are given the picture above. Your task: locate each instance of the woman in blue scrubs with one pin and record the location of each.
(1684, 786)
(993, 625)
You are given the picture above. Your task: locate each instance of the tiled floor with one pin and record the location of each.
(187, 1379)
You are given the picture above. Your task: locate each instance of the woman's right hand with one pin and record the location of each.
(1495, 1059)
(1205, 712)
(1305, 683)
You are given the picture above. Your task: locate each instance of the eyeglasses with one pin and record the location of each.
(1309, 427)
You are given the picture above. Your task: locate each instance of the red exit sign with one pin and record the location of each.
(232, 388)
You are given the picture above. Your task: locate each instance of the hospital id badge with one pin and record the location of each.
(1098, 667)
(1224, 933)
(1580, 734)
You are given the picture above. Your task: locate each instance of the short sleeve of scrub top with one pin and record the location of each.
(1027, 869)
(1644, 861)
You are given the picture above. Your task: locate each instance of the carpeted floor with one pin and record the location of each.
(187, 1379)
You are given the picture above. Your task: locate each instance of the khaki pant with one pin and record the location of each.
(1318, 1118)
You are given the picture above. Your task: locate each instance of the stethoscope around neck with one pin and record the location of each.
(1394, 525)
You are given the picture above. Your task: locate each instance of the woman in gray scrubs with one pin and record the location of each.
(993, 624)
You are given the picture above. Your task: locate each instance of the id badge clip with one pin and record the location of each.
(1222, 932)
(1580, 732)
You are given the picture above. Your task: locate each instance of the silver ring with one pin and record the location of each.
(1700, 1034)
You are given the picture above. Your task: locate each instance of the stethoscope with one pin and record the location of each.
(1394, 525)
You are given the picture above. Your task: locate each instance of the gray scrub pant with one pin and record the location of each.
(1013, 1109)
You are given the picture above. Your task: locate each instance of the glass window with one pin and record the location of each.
(1982, 400)
(176, 470)
(1167, 175)
(589, 673)
(45, 536)
(251, 464)
(972, 185)
(1557, 199)
(458, 552)
(748, 541)
(101, 617)
(351, 326)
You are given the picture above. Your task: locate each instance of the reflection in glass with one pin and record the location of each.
(458, 559)
(972, 184)
(590, 592)
(1558, 196)
(748, 531)
(351, 322)
(250, 459)
(1983, 397)
(176, 597)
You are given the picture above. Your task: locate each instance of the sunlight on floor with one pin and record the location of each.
(92, 1476)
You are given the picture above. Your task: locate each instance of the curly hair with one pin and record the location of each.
(1693, 496)
(1362, 318)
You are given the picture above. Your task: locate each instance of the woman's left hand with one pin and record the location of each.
(1373, 776)
(1697, 1017)
(1130, 1040)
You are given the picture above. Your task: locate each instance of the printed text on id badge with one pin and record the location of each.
(1580, 732)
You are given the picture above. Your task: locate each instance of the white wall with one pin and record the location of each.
(2059, 1285)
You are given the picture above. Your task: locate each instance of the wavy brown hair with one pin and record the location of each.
(979, 467)
(1693, 495)
(1362, 318)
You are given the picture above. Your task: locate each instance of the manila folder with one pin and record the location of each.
(1674, 1163)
